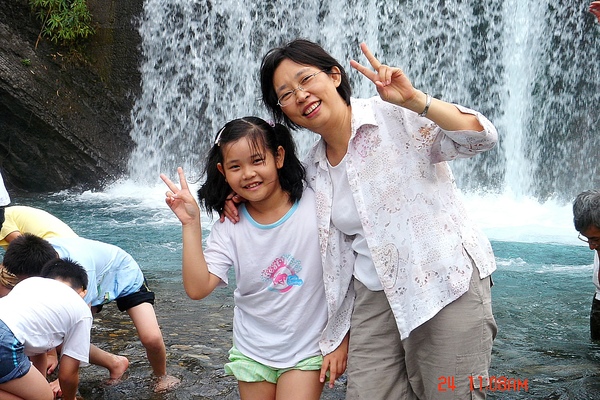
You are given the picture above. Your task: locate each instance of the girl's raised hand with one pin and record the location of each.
(392, 85)
(181, 201)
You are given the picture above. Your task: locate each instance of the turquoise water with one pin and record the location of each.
(541, 296)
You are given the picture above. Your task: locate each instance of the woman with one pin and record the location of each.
(422, 325)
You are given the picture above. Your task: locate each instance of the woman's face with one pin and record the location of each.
(315, 106)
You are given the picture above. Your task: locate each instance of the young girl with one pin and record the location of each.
(282, 322)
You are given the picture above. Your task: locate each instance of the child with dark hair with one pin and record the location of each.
(114, 276)
(28, 255)
(67, 271)
(285, 338)
(215, 189)
(37, 315)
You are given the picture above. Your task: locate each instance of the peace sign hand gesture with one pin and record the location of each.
(181, 201)
(392, 85)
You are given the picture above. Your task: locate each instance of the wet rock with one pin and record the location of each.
(64, 117)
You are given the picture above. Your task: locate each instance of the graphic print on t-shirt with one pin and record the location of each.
(282, 273)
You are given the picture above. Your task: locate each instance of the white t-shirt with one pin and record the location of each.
(280, 306)
(43, 313)
(4, 197)
(345, 217)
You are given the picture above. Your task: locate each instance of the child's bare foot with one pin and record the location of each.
(117, 369)
(165, 382)
(114, 381)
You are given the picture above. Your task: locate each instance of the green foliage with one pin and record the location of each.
(26, 62)
(63, 21)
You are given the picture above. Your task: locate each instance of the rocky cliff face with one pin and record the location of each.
(64, 118)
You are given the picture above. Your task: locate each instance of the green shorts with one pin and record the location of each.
(246, 369)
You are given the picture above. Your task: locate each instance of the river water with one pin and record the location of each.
(541, 297)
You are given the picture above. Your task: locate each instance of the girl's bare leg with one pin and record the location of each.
(299, 385)
(257, 390)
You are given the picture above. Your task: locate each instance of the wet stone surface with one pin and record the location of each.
(197, 336)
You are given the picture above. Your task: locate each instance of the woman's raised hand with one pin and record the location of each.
(181, 201)
(392, 85)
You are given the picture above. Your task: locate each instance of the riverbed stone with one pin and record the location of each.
(65, 112)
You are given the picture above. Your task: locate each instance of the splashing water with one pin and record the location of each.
(530, 66)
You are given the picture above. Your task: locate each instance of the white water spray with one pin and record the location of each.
(530, 66)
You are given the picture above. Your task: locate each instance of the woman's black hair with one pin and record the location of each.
(303, 52)
(262, 137)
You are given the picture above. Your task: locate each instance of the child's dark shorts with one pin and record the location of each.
(144, 295)
(13, 361)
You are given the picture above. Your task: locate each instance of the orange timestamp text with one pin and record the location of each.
(493, 384)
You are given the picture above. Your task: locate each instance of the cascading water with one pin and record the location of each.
(530, 66)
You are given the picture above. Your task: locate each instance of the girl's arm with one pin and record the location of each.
(198, 282)
(336, 362)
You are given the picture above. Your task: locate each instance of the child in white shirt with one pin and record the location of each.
(39, 314)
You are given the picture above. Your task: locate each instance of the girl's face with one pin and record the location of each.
(317, 105)
(251, 173)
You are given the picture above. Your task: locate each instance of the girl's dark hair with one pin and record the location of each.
(303, 52)
(262, 137)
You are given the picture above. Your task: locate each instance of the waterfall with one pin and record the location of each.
(530, 66)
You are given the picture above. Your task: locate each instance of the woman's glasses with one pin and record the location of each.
(305, 84)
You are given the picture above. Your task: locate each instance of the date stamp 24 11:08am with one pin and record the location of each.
(493, 384)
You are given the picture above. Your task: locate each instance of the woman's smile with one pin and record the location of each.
(311, 108)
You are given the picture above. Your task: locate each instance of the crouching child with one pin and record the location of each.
(39, 314)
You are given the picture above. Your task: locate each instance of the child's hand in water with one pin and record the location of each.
(181, 201)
